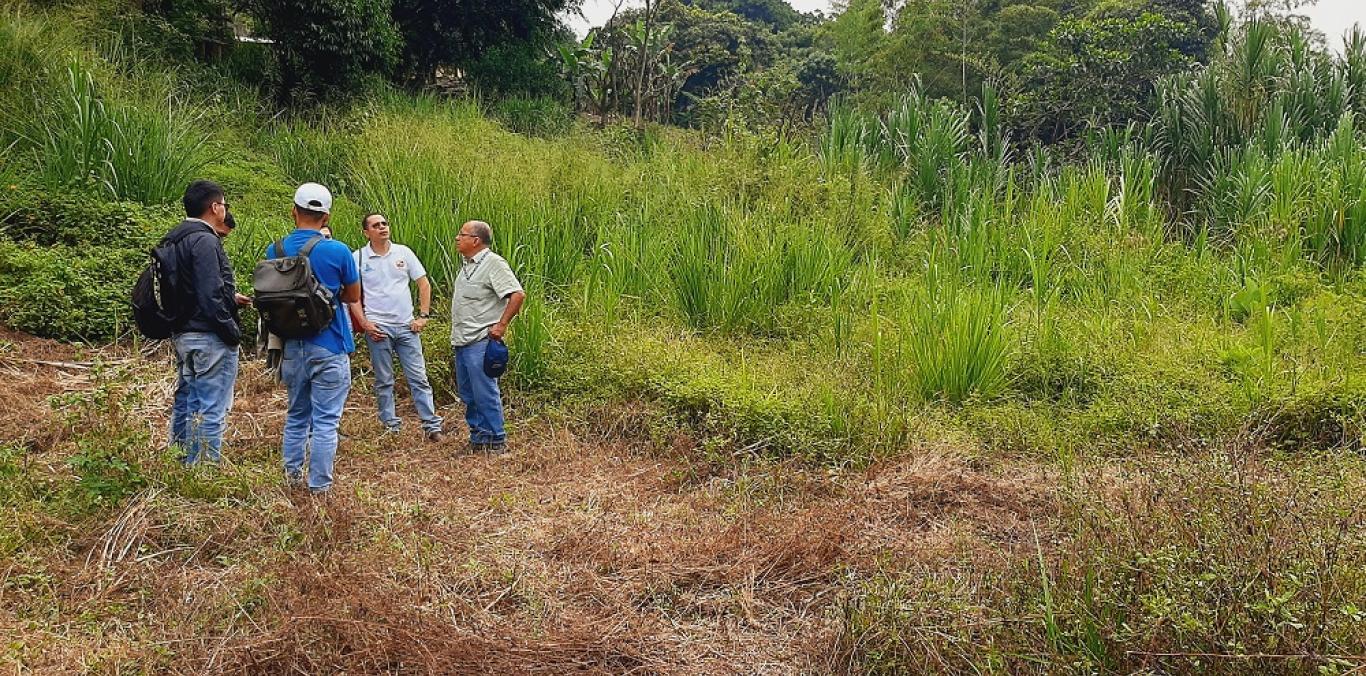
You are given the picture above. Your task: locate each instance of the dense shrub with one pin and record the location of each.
(70, 292)
(68, 261)
(518, 70)
(535, 116)
(75, 220)
(328, 49)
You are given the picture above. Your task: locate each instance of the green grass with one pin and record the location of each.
(957, 342)
(895, 246)
(82, 138)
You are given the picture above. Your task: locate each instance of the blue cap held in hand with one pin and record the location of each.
(495, 358)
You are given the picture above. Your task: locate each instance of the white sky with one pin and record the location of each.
(1333, 17)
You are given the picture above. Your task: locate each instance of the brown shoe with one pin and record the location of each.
(436, 437)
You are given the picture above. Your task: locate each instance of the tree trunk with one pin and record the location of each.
(644, 59)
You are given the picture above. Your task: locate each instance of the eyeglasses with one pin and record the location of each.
(224, 203)
(462, 234)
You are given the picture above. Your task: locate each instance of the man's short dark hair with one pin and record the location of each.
(365, 220)
(200, 196)
(309, 214)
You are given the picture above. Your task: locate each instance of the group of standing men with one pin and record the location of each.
(374, 284)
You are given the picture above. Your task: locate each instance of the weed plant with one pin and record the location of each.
(1168, 574)
(537, 116)
(84, 140)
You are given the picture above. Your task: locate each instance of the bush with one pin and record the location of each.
(533, 116)
(176, 29)
(518, 70)
(68, 262)
(68, 292)
(328, 49)
(77, 220)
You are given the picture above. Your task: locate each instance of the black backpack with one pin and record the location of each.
(159, 303)
(291, 300)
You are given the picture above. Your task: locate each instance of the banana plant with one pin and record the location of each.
(589, 69)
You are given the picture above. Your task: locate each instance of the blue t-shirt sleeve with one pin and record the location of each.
(351, 275)
(340, 256)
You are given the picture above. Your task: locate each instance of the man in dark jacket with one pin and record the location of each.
(207, 335)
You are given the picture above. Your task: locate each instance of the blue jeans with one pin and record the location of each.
(206, 370)
(483, 400)
(318, 382)
(408, 346)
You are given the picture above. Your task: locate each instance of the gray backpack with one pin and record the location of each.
(291, 300)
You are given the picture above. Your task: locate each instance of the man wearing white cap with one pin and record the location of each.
(317, 370)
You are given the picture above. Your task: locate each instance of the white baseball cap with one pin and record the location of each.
(314, 197)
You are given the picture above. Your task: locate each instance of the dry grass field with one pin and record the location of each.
(600, 545)
(590, 547)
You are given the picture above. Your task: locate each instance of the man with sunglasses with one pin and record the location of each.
(207, 333)
(385, 315)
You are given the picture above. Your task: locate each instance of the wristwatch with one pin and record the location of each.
(425, 315)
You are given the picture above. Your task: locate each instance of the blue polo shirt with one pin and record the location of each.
(332, 264)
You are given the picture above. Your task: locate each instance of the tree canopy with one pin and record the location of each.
(1060, 66)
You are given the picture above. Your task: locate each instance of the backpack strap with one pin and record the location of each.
(279, 249)
(308, 248)
(173, 240)
(176, 238)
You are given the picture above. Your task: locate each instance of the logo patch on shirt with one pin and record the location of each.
(400, 264)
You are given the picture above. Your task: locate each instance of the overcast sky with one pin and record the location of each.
(1333, 17)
